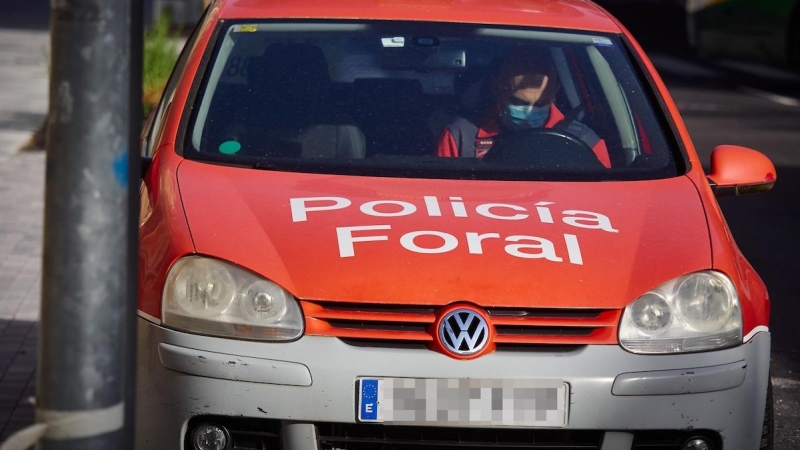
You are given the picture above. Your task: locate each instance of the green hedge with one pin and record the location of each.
(160, 55)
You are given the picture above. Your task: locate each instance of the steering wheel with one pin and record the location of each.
(543, 149)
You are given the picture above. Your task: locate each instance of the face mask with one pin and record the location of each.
(525, 116)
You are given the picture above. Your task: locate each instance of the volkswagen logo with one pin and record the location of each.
(463, 332)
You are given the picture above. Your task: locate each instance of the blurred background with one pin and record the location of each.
(732, 66)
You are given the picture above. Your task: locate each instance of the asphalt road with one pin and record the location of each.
(757, 107)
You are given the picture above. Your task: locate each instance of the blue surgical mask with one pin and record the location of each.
(525, 116)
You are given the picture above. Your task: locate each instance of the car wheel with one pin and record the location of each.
(768, 428)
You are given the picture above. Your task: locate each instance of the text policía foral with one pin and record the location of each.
(521, 246)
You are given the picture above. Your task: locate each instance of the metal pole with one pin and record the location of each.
(81, 386)
(134, 175)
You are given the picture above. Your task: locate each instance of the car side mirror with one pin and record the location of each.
(740, 170)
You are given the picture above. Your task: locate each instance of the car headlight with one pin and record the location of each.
(693, 313)
(208, 296)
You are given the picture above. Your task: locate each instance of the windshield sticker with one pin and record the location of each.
(602, 42)
(350, 238)
(230, 147)
(244, 28)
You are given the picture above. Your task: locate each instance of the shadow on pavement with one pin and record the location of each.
(18, 361)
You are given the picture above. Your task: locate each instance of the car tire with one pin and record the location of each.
(768, 428)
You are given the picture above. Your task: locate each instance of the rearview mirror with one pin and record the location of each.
(424, 58)
(740, 170)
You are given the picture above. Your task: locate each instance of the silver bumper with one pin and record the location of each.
(312, 380)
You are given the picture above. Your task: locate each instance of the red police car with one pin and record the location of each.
(391, 224)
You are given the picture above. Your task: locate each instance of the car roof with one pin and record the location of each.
(567, 14)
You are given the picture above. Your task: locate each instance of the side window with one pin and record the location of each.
(149, 143)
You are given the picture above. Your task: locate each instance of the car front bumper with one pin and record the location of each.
(312, 381)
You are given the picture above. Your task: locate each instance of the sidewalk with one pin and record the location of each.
(23, 106)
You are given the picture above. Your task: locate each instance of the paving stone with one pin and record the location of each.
(23, 106)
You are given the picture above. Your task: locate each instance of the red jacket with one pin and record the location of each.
(448, 147)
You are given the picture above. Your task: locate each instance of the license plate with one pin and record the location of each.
(463, 402)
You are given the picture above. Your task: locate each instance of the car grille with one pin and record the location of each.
(374, 437)
(516, 328)
(248, 433)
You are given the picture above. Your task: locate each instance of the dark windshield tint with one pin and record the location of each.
(427, 100)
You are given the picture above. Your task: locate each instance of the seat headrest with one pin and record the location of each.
(289, 83)
(290, 65)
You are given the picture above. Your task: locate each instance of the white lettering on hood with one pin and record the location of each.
(438, 242)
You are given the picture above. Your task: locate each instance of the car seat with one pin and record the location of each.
(288, 109)
(392, 113)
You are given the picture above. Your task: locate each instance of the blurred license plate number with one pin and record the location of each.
(465, 402)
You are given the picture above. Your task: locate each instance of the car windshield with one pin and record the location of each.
(427, 100)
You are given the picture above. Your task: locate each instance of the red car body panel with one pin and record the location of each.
(163, 231)
(244, 216)
(572, 14)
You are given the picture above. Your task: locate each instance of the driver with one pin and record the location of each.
(524, 93)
